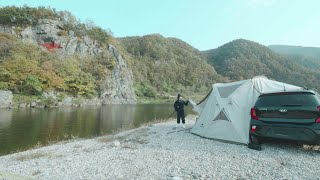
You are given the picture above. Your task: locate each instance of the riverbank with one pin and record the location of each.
(159, 152)
(8, 100)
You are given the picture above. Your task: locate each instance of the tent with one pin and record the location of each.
(225, 112)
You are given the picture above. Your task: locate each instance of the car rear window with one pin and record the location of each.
(287, 99)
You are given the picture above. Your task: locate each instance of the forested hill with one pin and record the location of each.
(85, 60)
(313, 52)
(81, 60)
(306, 56)
(167, 65)
(243, 59)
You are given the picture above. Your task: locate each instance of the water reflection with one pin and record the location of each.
(23, 128)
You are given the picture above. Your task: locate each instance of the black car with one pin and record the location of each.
(286, 115)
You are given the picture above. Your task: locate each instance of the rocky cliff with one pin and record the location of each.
(51, 35)
(118, 87)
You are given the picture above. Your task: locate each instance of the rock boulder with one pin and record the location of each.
(6, 99)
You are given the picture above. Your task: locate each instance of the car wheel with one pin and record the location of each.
(255, 139)
(254, 143)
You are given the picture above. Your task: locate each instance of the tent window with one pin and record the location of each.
(227, 90)
(221, 116)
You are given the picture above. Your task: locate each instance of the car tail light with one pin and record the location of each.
(318, 119)
(253, 128)
(254, 114)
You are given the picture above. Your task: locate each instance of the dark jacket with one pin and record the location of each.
(179, 105)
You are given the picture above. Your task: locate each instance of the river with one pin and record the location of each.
(22, 129)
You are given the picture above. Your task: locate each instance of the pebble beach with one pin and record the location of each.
(159, 151)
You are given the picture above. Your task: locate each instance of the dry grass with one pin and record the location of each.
(106, 139)
(31, 156)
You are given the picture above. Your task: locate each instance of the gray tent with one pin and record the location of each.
(225, 112)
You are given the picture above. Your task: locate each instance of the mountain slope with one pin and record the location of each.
(243, 59)
(313, 52)
(167, 65)
(306, 56)
(43, 50)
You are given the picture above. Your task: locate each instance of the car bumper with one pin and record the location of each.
(296, 133)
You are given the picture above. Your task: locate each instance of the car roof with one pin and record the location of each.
(288, 92)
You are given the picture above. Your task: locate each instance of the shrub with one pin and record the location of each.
(62, 33)
(6, 44)
(23, 16)
(98, 34)
(77, 82)
(145, 90)
(47, 101)
(3, 86)
(32, 85)
(19, 98)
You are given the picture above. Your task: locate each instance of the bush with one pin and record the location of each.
(3, 86)
(145, 90)
(6, 44)
(77, 82)
(61, 97)
(32, 85)
(47, 101)
(77, 101)
(23, 16)
(62, 33)
(27, 76)
(98, 34)
(19, 98)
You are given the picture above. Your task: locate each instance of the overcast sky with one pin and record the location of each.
(205, 24)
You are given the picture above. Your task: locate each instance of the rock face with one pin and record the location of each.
(6, 99)
(50, 35)
(118, 88)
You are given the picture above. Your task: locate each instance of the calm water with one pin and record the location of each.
(24, 128)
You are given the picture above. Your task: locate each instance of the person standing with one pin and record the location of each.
(179, 108)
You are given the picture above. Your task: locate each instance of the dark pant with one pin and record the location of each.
(180, 114)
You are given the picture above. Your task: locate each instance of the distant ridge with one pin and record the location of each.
(243, 59)
(313, 52)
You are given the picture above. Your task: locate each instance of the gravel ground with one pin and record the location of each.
(158, 152)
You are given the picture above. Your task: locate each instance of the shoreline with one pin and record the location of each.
(157, 151)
